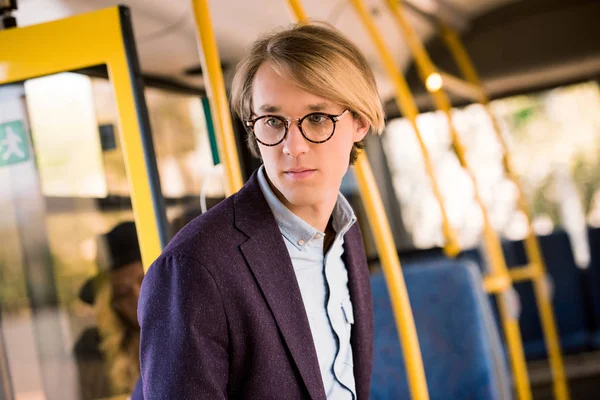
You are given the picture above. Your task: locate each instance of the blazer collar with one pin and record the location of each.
(359, 285)
(269, 260)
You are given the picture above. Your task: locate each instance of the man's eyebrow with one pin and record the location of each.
(268, 108)
(318, 106)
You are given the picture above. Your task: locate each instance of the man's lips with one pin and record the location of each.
(299, 173)
(299, 169)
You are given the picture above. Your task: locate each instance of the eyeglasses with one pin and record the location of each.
(270, 130)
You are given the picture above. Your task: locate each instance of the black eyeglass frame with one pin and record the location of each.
(287, 121)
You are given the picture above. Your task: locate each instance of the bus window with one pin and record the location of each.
(70, 260)
(182, 148)
(550, 134)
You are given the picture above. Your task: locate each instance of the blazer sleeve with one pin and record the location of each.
(184, 336)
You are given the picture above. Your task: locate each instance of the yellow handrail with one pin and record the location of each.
(392, 271)
(492, 243)
(532, 246)
(525, 273)
(297, 10)
(390, 264)
(409, 109)
(211, 65)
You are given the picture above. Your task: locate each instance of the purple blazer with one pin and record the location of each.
(222, 316)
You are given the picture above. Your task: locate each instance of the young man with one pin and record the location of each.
(267, 296)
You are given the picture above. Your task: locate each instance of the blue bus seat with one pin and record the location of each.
(594, 284)
(459, 341)
(568, 297)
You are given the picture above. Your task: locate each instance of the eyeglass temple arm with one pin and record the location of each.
(336, 118)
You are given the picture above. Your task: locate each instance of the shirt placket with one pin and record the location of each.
(336, 318)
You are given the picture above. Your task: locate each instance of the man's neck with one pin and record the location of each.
(316, 215)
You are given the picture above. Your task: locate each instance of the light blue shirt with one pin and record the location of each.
(323, 281)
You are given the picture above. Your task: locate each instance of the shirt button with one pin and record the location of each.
(301, 242)
(318, 236)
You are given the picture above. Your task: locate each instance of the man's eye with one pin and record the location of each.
(273, 123)
(317, 118)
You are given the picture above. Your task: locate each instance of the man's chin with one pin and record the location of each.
(301, 198)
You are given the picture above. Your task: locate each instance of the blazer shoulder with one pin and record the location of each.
(208, 234)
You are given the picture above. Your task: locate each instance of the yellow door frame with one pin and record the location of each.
(102, 37)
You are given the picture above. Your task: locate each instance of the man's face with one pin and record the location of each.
(305, 174)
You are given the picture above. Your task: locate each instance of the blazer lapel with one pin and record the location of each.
(359, 285)
(269, 260)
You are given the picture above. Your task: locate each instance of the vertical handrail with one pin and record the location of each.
(389, 261)
(211, 65)
(491, 240)
(408, 107)
(532, 245)
(392, 270)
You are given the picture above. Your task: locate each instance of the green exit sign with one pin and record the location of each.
(14, 146)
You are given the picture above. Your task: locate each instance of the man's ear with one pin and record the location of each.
(361, 128)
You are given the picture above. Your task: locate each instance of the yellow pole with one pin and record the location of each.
(491, 240)
(460, 55)
(409, 109)
(211, 65)
(394, 279)
(532, 246)
(298, 13)
(390, 263)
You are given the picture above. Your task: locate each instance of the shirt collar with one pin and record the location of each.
(294, 228)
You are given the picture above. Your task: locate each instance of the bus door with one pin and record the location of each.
(72, 169)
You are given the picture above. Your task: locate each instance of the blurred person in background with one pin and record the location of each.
(108, 354)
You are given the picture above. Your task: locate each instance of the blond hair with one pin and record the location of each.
(318, 59)
(120, 343)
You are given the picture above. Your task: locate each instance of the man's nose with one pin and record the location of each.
(295, 144)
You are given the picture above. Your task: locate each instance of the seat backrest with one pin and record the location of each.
(459, 340)
(569, 295)
(568, 301)
(594, 283)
